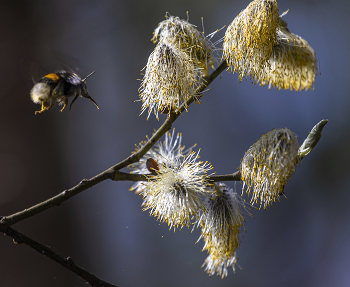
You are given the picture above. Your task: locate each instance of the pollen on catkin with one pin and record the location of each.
(168, 151)
(173, 194)
(188, 39)
(170, 79)
(221, 221)
(250, 38)
(292, 64)
(267, 166)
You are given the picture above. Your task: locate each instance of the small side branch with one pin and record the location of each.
(19, 238)
(118, 176)
(227, 177)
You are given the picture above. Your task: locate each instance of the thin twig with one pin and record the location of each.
(111, 173)
(236, 176)
(118, 176)
(170, 120)
(68, 262)
(56, 200)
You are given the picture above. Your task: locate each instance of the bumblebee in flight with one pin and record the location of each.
(58, 87)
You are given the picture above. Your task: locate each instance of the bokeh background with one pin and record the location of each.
(302, 241)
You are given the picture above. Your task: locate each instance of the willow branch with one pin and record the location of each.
(170, 120)
(236, 176)
(120, 176)
(111, 173)
(67, 263)
(56, 200)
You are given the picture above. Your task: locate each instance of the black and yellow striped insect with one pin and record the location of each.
(58, 87)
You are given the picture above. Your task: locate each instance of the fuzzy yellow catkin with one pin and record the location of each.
(292, 64)
(168, 151)
(221, 222)
(173, 194)
(170, 79)
(188, 39)
(267, 166)
(250, 38)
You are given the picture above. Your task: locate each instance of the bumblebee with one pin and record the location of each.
(58, 87)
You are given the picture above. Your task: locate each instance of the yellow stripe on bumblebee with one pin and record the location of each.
(53, 76)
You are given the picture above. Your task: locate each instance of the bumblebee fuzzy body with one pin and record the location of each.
(58, 87)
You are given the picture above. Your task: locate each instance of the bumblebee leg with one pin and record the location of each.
(57, 93)
(64, 100)
(73, 101)
(43, 107)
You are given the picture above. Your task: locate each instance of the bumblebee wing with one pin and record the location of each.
(67, 63)
(73, 79)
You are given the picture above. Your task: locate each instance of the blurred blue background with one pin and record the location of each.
(302, 241)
